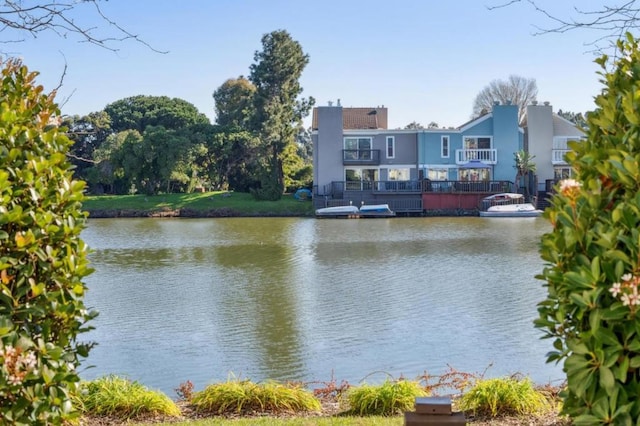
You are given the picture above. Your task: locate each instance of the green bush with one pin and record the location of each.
(42, 258)
(121, 398)
(503, 397)
(387, 399)
(240, 396)
(592, 307)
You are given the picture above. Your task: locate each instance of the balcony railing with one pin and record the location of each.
(404, 186)
(361, 156)
(489, 186)
(557, 156)
(489, 156)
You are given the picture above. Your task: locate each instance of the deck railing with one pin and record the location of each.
(557, 156)
(337, 189)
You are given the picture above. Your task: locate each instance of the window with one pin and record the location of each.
(391, 147)
(444, 147)
(438, 174)
(477, 142)
(360, 179)
(398, 174)
(560, 173)
(473, 175)
(357, 149)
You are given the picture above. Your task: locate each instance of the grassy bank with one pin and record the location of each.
(207, 204)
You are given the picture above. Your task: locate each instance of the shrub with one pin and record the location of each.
(593, 252)
(121, 398)
(42, 258)
(387, 399)
(503, 397)
(240, 396)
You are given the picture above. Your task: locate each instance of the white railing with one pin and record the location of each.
(489, 156)
(557, 156)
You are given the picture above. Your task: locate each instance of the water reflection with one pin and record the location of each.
(298, 299)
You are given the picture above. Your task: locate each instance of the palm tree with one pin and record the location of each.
(524, 166)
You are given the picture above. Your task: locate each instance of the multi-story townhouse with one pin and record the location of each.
(548, 137)
(357, 159)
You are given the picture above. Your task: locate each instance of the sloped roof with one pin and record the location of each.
(475, 121)
(359, 118)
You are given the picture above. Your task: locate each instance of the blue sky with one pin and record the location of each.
(425, 60)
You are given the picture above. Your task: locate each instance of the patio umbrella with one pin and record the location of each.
(475, 164)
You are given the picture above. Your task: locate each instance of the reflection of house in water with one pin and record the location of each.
(357, 159)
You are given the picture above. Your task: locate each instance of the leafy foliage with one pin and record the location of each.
(42, 258)
(240, 396)
(123, 399)
(234, 102)
(593, 252)
(138, 112)
(278, 111)
(503, 397)
(387, 399)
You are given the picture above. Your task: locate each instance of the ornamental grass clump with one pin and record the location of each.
(245, 396)
(503, 397)
(121, 398)
(592, 309)
(42, 257)
(387, 399)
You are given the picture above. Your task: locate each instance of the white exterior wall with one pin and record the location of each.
(540, 140)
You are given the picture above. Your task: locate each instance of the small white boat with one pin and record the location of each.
(371, 210)
(376, 210)
(507, 204)
(338, 211)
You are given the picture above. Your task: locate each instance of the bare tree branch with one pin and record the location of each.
(612, 21)
(57, 16)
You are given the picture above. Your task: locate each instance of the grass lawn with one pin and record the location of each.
(242, 204)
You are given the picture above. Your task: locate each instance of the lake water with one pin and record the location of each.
(306, 299)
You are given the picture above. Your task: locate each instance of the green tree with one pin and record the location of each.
(234, 154)
(576, 118)
(592, 308)
(42, 258)
(234, 103)
(415, 125)
(87, 133)
(278, 110)
(138, 112)
(524, 166)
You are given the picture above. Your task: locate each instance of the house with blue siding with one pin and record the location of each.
(490, 139)
(358, 160)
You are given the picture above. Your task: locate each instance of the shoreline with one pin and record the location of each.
(181, 212)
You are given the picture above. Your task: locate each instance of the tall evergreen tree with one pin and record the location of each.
(278, 110)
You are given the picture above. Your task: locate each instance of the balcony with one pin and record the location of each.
(361, 157)
(487, 156)
(557, 156)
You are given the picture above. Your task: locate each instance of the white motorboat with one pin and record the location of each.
(366, 210)
(507, 204)
(338, 211)
(376, 210)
